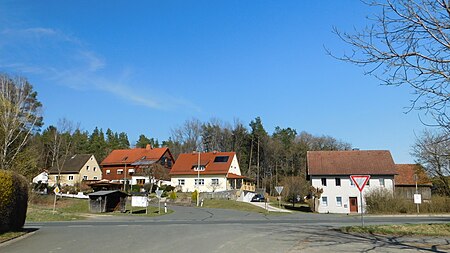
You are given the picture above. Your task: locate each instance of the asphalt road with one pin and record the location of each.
(215, 230)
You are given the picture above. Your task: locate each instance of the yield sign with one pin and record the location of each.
(360, 181)
(279, 189)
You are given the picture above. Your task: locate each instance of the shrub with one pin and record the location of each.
(173, 195)
(13, 200)
(194, 196)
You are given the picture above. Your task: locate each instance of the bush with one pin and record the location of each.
(383, 201)
(194, 196)
(13, 201)
(173, 195)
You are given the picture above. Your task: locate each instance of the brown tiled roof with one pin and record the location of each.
(406, 173)
(366, 162)
(186, 162)
(122, 156)
(72, 164)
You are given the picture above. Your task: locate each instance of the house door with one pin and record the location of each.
(353, 204)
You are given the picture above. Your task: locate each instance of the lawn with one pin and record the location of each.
(435, 229)
(10, 235)
(40, 209)
(232, 204)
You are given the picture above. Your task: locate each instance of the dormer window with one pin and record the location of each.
(125, 158)
(202, 168)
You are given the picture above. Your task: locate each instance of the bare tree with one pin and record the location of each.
(432, 150)
(408, 43)
(20, 117)
(61, 145)
(186, 138)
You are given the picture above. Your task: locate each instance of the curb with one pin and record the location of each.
(13, 240)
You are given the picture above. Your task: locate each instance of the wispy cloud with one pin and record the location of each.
(66, 60)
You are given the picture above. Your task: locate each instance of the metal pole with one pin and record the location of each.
(362, 208)
(198, 180)
(417, 191)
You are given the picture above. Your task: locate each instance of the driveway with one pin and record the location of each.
(215, 230)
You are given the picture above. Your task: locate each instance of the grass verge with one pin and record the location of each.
(232, 204)
(11, 235)
(434, 229)
(66, 210)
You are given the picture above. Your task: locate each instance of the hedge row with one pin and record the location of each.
(13, 201)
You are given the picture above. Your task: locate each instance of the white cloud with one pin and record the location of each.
(65, 60)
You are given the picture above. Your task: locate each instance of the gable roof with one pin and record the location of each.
(129, 156)
(72, 164)
(406, 173)
(366, 162)
(186, 162)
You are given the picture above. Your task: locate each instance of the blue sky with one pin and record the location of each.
(145, 67)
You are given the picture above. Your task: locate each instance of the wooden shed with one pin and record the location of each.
(107, 201)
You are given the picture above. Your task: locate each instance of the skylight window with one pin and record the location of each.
(221, 159)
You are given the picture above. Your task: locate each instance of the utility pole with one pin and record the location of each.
(257, 167)
(250, 160)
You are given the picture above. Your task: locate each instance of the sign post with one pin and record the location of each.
(279, 189)
(360, 181)
(159, 194)
(417, 196)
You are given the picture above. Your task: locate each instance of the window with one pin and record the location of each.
(95, 168)
(85, 178)
(221, 159)
(382, 182)
(338, 181)
(351, 182)
(95, 178)
(201, 182)
(70, 178)
(215, 181)
(324, 181)
(169, 163)
(324, 201)
(140, 181)
(87, 167)
(368, 182)
(180, 181)
(202, 168)
(119, 172)
(108, 171)
(56, 178)
(338, 201)
(163, 160)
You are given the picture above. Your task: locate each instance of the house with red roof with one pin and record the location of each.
(412, 178)
(331, 171)
(132, 165)
(209, 172)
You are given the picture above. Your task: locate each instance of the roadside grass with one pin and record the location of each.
(434, 229)
(66, 209)
(232, 204)
(11, 235)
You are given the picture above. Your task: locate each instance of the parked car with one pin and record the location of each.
(258, 198)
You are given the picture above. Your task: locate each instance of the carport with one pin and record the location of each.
(107, 201)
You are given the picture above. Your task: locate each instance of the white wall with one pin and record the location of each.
(234, 167)
(189, 183)
(345, 191)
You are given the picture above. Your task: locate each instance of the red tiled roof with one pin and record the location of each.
(186, 162)
(368, 162)
(132, 155)
(406, 173)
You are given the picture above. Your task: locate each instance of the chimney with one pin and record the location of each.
(148, 147)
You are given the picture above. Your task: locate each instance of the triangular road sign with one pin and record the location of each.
(360, 181)
(279, 189)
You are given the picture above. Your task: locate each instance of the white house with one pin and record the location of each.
(42, 178)
(331, 170)
(208, 172)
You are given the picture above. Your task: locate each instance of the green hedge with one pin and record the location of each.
(13, 201)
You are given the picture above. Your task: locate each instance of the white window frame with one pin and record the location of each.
(338, 203)
(181, 181)
(108, 172)
(95, 178)
(70, 178)
(382, 182)
(87, 167)
(85, 177)
(119, 171)
(215, 181)
(336, 179)
(202, 181)
(95, 168)
(324, 201)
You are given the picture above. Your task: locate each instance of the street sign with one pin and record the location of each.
(417, 199)
(279, 189)
(56, 190)
(139, 201)
(158, 193)
(360, 181)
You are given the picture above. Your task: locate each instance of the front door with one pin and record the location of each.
(353, 204)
